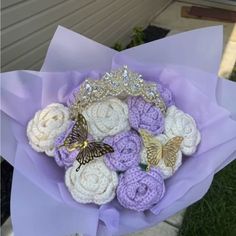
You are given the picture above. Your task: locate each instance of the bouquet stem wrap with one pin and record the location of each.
(187, 63)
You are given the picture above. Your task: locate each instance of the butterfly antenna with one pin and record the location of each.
(77, 169)
(62, 145)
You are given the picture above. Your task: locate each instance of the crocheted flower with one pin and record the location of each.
(140, 190)
(107, 118)
(144, 115)
(178, 123)
(72, 96)
(46, 126)
(164, 170)
(166, 94)
(126, 153)
(93, 183)
(62, 157)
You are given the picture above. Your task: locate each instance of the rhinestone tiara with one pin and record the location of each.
(121, 82)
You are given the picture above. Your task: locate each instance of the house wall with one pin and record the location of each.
(28, 25)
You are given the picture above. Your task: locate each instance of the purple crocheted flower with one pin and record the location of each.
(139, 190)
(62, 157)
(126, 153)
(144, 115)
(72, 97)
(166, 95)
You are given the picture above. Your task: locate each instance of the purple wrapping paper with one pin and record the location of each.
(187, 62)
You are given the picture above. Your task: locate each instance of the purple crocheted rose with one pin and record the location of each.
(166, 95)
(140, 190)
(62, 157)
(144, 115)
(72, 97)
(126, 153)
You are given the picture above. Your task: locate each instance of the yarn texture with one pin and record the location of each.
(72, 96)
(127, 146)
(166, 94)
(178, 123)
(140, 190)
(107, 118)
(46, 126)
(165, 171)
(144, 115)
(62, 157)
(93, 183)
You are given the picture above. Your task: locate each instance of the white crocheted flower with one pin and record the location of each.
(178, 123)
(46, 125)
(165, 171)
(107, 118)
(93, 183)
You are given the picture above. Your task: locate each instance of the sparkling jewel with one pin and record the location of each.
(119, 82)
(88, 88)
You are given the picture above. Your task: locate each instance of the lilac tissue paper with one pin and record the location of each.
(187, 63)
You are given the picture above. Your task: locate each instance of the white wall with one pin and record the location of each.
(28, 25)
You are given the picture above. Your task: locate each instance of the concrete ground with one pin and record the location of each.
(170, 227)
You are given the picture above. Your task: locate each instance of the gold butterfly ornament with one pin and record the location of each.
(157, 151)
(78, 140)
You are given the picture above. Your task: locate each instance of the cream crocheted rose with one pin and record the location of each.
(46, 125)
(107, 118)
(164, 170)
(178, 123)
(93, 183)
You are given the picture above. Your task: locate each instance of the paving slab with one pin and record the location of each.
(6, 229)
(162, 229)
(177, 219)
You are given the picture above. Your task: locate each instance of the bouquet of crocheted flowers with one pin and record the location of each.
(119, 136)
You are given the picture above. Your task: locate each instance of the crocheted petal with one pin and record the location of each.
(134, 118)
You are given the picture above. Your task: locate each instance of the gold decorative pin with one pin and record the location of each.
(77, 139)
(156, 151)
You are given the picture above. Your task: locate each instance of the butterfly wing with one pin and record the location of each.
(153, 147)
(83, 158)
(170, 150)
(78, 133)
(94, 149)
(97, 149)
